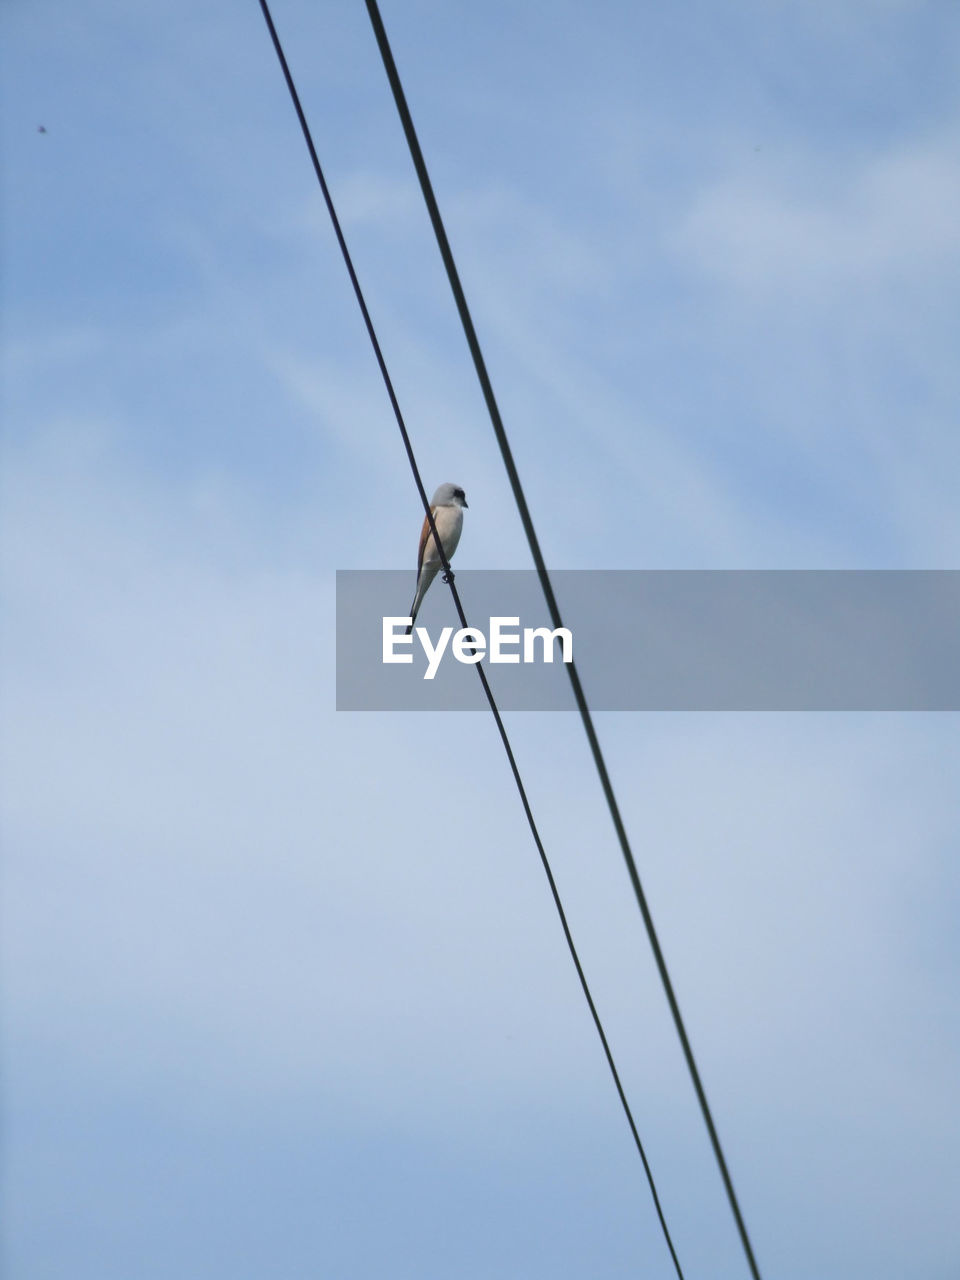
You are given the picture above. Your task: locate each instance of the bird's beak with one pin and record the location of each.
(465, 503)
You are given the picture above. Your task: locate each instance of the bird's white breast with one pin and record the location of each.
(449, 522)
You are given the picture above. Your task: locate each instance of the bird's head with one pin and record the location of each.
(449, 495)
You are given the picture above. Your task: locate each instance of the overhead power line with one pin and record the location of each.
(449, 577)
(480, 365)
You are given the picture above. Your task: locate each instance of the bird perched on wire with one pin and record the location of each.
(446, 506)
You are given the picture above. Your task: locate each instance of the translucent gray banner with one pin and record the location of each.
(656, 640)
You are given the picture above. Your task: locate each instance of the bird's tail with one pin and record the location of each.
(423, 582)
(415, 607)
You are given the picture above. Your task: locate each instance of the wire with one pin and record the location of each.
(472, 341)
(449, 577)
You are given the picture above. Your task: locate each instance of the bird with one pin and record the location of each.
(446, 507)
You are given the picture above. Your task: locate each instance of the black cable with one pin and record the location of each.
(449, 577)
(514, 477)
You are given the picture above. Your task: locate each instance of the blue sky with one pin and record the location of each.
(282, 989)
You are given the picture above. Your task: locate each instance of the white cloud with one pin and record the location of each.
(800, 229)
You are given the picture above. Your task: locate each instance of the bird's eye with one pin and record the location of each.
(458, 493)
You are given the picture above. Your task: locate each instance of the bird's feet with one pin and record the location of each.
(447, 577)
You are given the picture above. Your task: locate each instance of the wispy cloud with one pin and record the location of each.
(886, 225)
